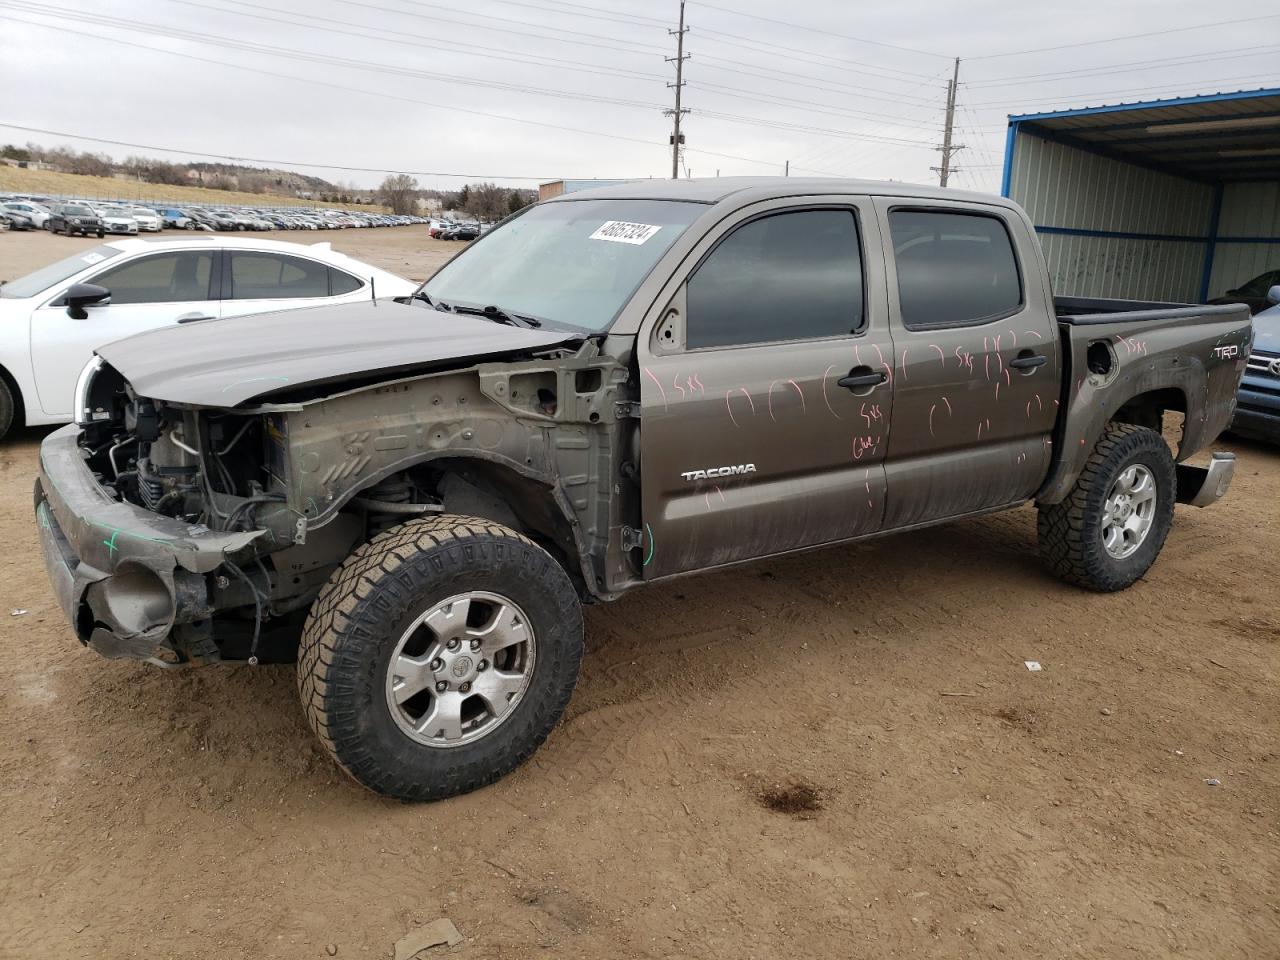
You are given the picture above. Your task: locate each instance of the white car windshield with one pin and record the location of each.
(572, 263)
(35, 283)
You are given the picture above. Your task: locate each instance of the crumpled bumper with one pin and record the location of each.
(124, 577)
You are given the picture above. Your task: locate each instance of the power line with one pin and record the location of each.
(808, 106)
(580, 6)
(829, 86)
(519, 33)
(823, 32)
(1130, 36)
(1062, 97)
(592, 13)
(522, 23)
(841, 62)
(97, 38)
(1132, 67)
(373, 93)
(325, 59)
(802, 128)
(433, 42)
(260, 160)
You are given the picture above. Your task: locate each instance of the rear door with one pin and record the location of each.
(975, 399)
(750, 444)
(146, 292)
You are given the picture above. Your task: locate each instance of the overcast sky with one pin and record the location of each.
(544, 89)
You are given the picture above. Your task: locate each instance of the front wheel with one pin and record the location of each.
(1111, 526)
(8, 408)
(439, 656)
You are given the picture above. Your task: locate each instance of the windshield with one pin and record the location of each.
(44, 278)
(574, 263)
(78, 211)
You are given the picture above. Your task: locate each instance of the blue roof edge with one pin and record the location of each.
(1147, 104)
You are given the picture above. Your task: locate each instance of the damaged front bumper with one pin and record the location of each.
(134, 584)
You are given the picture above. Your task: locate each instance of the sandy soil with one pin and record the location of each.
(406, 251)
(833, 755)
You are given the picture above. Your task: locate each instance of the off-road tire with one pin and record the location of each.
(8, 408)
(363, 610)
(1070, 532)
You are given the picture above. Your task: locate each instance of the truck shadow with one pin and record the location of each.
(211, 733)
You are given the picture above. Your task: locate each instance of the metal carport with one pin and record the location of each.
(1163, 200)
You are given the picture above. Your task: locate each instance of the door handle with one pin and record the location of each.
(1028, 360)
(857, 379)
(193, 317)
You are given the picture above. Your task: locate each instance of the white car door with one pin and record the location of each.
(256, 281)
(147, 292)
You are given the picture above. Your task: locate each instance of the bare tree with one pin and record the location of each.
(486, 201)
(400, 192)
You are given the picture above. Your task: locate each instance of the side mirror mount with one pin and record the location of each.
(83, 295)
(1273, 295)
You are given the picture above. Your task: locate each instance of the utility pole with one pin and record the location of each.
(786, 171)
(677, 138)
(948, 149)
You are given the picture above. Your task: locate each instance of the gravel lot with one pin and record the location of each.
(838, 754)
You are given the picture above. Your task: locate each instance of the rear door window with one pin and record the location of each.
(786, 276)
(175, 277)
(954, 269)
(275, 276)
(340, 283)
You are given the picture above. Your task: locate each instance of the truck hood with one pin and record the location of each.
(223, 363)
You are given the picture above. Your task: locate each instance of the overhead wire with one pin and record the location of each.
(1118, 39)
(306, 56)
(819, 30)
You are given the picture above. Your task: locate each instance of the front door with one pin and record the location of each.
(975, 399)
(766, 375)
(148, 292)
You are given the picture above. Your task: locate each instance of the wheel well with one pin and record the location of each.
(479, 488)
(1148, 409)
(19, 407)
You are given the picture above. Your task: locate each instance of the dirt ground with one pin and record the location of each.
(833, 755)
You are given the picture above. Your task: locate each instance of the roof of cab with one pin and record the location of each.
(753, 189)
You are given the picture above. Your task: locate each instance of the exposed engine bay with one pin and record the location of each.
(304, 483)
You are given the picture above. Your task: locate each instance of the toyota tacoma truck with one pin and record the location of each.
(414, 499)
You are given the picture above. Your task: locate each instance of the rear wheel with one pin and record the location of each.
(439, 656)
(1111, 527)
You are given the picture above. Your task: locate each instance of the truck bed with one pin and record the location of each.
(1079, 311)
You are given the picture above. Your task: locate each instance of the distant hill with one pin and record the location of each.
(53, 183)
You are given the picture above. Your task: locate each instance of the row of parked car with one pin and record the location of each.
(457, 229)
(92, 217)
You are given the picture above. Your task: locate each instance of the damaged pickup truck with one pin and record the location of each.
(414, 499)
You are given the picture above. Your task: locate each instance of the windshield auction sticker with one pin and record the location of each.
(619, 231)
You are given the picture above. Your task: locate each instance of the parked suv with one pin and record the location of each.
(614, 388)
(73, 218)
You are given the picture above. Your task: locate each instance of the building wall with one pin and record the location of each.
(1112, 229)
(1250, 212)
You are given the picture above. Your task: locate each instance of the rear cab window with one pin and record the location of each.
(954, 269)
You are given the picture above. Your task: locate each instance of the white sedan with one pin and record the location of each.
(115, 220)
(52, 320)
(147, 219)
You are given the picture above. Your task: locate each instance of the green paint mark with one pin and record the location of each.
(111, 544)
(648, 533)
